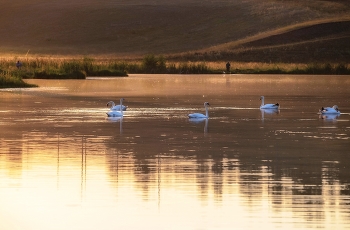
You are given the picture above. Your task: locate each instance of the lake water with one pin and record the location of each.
(65, 165)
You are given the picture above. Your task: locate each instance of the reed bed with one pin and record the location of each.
(63, 68)
(75, 68)
(285, 68)
(47, 68)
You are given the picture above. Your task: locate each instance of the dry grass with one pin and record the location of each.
(256, 65)
(132, 29)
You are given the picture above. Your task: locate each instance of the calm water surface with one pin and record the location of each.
(65, 165)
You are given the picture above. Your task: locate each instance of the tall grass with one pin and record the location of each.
(281, 68)
(47, 68)
(151, 64)
(340, 69)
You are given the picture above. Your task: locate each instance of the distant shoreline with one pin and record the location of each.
(49, 68)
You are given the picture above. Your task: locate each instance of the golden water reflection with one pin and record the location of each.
(65, 165)
(75, 178)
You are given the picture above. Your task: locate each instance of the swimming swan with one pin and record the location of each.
(116, 107)
(199, 115)
(115, 113)
(330, 110)
(268, 106)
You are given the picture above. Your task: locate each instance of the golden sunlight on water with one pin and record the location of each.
(64, 165)
(68, 181)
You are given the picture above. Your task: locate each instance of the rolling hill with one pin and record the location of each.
(237, 30)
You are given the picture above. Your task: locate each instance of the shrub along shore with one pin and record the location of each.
(10, 80)
(49, 68)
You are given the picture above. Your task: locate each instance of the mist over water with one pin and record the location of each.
(65, 165)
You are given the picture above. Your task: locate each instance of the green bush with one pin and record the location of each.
(8, 80)
(106, 72)
(55, 75)
(342, 69)
(153, 64)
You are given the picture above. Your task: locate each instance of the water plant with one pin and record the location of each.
(59, 75)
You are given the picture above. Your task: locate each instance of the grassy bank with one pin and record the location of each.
(8, 80)
(49, 68)
(284, 68)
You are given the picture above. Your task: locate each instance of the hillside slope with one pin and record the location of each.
(316, 41)
(128, 29)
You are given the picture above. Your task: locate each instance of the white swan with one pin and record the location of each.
(199, 115)
(116, 107)
(197, 120)
(115, 113)
(268, 106)
(330, 110)
(269, 111)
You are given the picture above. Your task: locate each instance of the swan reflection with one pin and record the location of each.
(329, 117)
(200, 120)
(117, 119)
(268, 112)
